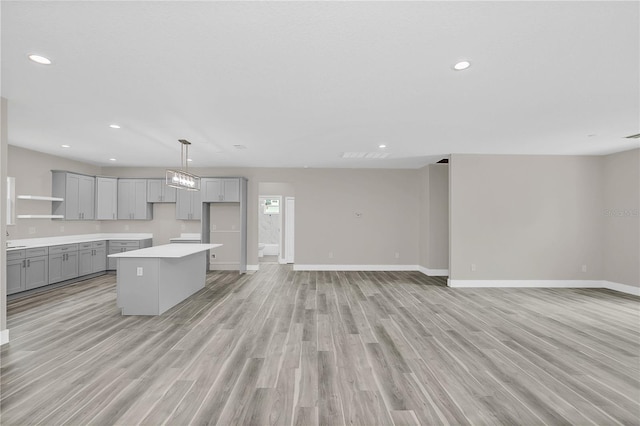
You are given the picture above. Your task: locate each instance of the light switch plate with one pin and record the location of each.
(139, 271)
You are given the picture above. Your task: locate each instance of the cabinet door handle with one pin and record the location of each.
(28, 263)
(24, 263)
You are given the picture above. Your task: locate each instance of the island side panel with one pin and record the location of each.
(180, 278)
(138, 295)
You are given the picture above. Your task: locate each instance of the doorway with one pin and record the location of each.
(275, 222)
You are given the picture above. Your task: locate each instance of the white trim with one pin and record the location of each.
(526, 283)
(623, 288)
(271, 249)
(4, 336)
(434, 272)
(281, 260)
(289, 228)
(253, 267)
(297, 267)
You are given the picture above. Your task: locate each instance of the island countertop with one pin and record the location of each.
(167, 251)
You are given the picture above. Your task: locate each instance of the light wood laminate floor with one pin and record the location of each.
(330, 348)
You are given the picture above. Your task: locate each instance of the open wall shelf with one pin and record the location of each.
(39, 198)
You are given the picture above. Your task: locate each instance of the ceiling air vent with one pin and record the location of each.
(365, 155)
(240, 147)
(636, 136)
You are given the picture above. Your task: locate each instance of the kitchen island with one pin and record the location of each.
(152, 280)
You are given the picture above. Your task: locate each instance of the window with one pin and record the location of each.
(271, 206)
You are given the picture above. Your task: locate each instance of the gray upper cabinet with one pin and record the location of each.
(159, 192)
(189, 205)
(132, 200)
(78, 192)
(106, 198)
(220, 190)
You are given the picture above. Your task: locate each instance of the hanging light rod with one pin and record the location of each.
(182, 179)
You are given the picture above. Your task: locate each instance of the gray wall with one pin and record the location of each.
(526, 217)
(438, 204)
(326, 204)
(32, 171)
(621, 221)
(434, 216)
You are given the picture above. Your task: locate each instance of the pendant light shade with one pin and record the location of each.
(182, 179)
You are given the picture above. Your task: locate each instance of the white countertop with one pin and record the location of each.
(168, 250)
(185, 236)
(72, 239)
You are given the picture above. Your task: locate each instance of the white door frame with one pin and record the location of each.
(289, 229)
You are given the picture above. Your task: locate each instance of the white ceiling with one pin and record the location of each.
(299, 83)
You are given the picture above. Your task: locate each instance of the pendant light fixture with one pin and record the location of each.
(182, 179)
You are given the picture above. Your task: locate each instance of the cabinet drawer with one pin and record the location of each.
(127, 244)
(40, 251)
(97, 244)
(15, 254)
(83, 246)
(63, 248)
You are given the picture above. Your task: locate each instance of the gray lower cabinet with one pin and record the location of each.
(116, 246)
(63, 262)
(15, 276)
(37, 267)
(37, 272)
(27, 269)
(92, 258)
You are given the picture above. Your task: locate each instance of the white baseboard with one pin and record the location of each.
(253, 267)
(298, 267)
(224, 266)
(282, 261)
(4, 337)
(623, 288)
(434, 272)
(526, 283)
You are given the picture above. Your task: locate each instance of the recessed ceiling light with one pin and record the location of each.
(382, 145)
(189, 160)
(66, 146)
(112, 159)
(462, 65)
(38, 59)
(114, 126)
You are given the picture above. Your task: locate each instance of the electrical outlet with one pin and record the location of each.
(97, 227)
(397, 255)
(473, 267)
(183, 226)
(139, 271)
(584, 268)
(62, 228)
(126, 227)
(330, 255)
(32, 229)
